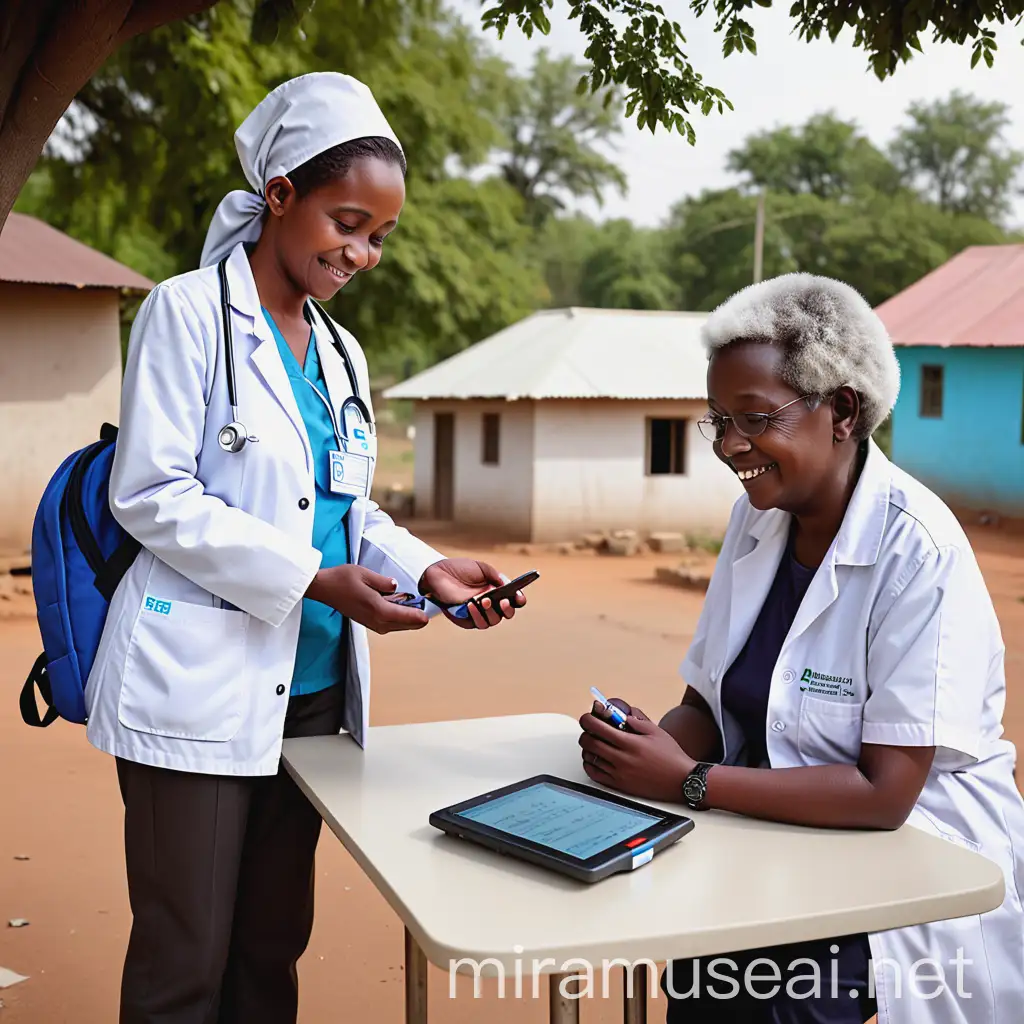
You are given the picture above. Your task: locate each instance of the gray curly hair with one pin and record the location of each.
(831, 338)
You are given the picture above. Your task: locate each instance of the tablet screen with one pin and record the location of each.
(572, 823)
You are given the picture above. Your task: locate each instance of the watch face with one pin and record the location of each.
(693, 789)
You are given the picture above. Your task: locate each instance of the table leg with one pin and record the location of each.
(415, 982)
(563, 1009)
(634, 996)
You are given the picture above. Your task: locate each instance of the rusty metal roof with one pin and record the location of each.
(33, 252)
(976, 299)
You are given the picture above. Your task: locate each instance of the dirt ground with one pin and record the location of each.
(591, 620)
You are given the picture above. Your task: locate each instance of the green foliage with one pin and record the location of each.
(704, 542)
(883, 436)
(839, 206)
(825, 157)
(889, 33)
(836, 204)
(953, 153)
(612, 265)
(148, 153)
(625, 270)
(565, 244)
(551, 134)
(635, 45)
(631, 44)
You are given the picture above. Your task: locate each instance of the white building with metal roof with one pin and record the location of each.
(571, 421)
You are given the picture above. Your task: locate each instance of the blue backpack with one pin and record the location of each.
(79, 555)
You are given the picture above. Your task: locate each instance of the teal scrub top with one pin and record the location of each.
(318, 658)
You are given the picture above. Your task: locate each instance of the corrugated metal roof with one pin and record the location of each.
(575, 353)
(32, 252)
(975, 299)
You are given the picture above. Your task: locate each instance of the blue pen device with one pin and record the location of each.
(617, 715)
(416, 601)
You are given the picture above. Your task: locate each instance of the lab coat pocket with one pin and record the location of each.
(942, 830)
(184, 672)
(829, 731)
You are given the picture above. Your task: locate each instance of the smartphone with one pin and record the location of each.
(408, 600)
(615, 713)
(495, 596)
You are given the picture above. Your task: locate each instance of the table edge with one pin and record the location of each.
(896, 914)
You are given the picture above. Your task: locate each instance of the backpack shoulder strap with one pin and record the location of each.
(37, 677)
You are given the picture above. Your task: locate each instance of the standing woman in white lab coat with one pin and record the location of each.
(846, 672)
(243, 467)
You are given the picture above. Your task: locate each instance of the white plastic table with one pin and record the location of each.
(731, 884)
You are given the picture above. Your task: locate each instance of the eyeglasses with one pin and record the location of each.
(747, 424)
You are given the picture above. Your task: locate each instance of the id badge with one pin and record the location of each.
(350, 474)
(362, 442)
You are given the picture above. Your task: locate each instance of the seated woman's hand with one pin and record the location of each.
(644, 762)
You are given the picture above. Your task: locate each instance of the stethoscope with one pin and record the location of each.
(233, 436)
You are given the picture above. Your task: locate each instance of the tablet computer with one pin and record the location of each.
(579, 831)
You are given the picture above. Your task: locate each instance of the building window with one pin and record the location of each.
(491, 439)
(666, 447)
(931, 392)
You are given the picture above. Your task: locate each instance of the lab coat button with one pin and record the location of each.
(303, 503)
(788, 676)
(280, 689)
(779, 726)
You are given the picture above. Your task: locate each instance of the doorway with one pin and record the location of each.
(444, 466)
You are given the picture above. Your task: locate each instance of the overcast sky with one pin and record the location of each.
(785, 83)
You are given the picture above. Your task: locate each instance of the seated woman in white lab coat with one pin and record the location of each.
(847, 669)
(264, 562)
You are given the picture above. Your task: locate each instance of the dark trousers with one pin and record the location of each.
(220, 880)
(695, 988)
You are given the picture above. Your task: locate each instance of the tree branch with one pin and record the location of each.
(147, 15)
(81, 37)
(53, 49)
(20, 30)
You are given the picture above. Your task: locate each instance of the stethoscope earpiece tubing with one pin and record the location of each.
(229, 346)
(233, 436)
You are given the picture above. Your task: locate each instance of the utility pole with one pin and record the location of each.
(759, 238)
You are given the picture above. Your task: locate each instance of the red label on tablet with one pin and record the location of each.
(636, 842)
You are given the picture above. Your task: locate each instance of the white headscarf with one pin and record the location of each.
(298, 120)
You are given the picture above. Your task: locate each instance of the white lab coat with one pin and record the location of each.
(181, 681)
(896, 642)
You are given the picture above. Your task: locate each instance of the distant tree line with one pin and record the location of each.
(835, 203)
(497, 162)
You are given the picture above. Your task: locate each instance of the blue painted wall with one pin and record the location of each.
(974, 454)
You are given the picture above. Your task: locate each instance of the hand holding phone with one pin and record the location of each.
(506, 592)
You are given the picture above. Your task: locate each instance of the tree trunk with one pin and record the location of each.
(49, 49)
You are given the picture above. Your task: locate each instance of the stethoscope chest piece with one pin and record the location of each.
(232, 437)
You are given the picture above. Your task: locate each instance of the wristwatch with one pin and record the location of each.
(695, 785)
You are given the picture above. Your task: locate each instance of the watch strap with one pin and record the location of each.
(697, 781)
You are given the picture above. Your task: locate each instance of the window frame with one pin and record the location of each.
(678, 451)
(489, 439)
(932, 394)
